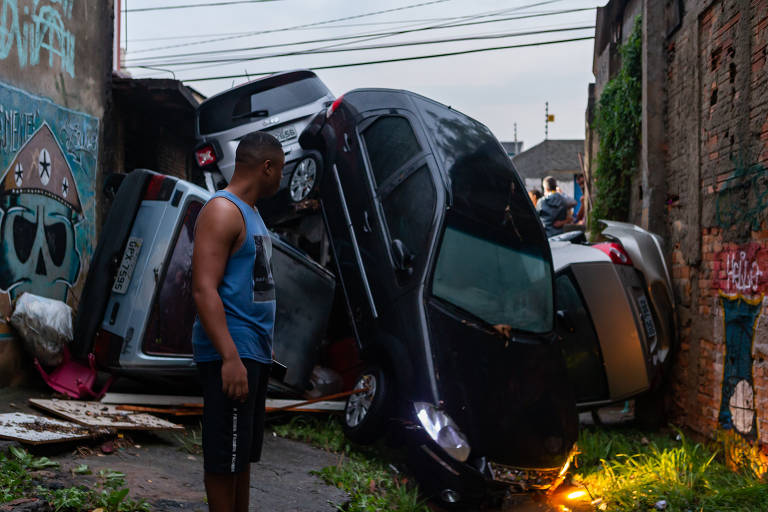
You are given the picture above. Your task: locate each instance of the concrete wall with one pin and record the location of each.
(55, 68)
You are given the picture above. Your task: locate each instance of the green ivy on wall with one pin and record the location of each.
(618, 122)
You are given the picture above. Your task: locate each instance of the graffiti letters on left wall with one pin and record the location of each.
(35, 32)
(48, 158)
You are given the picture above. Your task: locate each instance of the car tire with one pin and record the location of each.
(366, 413)
(307, 178)
(650, 412)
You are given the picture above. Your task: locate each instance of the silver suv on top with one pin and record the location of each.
(280, 104)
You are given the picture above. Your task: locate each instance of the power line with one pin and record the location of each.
(400, 59)
(370, 47)
(325, 22)
(357, 36)
(191, 6)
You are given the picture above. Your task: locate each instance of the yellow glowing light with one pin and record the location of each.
(576, 495)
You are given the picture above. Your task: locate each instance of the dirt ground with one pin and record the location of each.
(158, 470)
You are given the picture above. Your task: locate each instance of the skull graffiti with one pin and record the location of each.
(39, 208)
(37, 246)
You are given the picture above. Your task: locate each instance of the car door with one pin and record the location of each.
(398, 222)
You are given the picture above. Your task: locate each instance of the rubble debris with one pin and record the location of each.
(44, 325)
(97, 414)
(33, 429)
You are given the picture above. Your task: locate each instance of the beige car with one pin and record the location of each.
(615, 315)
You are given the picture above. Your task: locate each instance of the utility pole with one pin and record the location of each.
(547, 119)
(516, 151)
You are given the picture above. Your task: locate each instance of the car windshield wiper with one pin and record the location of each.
(252, 113)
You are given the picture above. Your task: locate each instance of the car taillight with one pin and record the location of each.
(159, 188)
(107, 347)
(334, 106)
(616, 252)
(205, 155)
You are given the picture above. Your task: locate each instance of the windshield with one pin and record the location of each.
(495, 282)
(246, 104)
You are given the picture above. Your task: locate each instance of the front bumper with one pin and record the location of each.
(477, 479)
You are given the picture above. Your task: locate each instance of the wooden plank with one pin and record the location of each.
(139, 399)
(96, 414)
(302, 405)
(194, 411)
(33, 429)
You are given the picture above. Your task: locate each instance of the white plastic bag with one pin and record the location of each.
(45, 327)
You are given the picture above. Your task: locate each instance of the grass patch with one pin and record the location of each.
(632, 471)
(363, 472)
(109, 494)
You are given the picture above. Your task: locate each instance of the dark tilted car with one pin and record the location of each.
(439, 252)
(136, 310)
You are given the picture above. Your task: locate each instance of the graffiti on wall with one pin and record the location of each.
(48, 158)
(743, 198)
(741, 270)
(35, 32)
(737, 403)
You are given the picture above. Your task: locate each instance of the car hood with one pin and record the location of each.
(510, 397)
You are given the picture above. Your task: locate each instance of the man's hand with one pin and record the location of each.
(234, 379)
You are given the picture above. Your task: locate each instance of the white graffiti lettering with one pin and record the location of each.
(742, 275)
(33, 28)
(15, 128)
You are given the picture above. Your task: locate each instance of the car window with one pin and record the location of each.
(390, 143)
(169, 329)
(498, 283)
(579, 343)
(409, 209)
(236, 108)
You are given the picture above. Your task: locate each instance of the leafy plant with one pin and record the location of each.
(73, 498)
(618, 122)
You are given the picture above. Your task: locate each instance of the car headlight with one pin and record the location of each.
(443, 430)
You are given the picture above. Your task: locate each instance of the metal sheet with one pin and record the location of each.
(142, 399)
(328, 405)
(33, 429)
(96, 414)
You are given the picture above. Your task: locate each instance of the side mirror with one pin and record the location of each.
(403, 257)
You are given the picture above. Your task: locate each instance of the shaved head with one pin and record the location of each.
(256, 148)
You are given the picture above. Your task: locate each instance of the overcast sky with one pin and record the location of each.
(498, 88)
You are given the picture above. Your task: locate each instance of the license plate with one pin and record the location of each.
(645, 313)
(284, 134)
(125, 271)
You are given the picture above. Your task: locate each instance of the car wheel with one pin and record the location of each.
(303, 180)
(365, 413)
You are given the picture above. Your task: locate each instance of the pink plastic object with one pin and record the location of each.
(73, 378)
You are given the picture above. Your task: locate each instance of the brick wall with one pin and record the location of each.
(716, 162)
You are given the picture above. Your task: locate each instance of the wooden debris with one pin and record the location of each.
(188, 411)
(150, 400)
(96, 414)
(33, 429)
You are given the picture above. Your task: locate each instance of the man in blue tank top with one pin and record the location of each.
(232, 336)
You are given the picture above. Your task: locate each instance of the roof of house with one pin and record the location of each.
(551, 157)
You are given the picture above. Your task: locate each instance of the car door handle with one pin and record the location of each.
(366, 223)
(347, 148)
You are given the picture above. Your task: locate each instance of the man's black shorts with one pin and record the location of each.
(233, 431)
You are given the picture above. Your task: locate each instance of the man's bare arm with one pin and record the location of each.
(218, 229)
